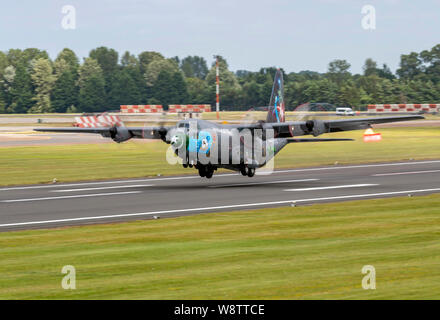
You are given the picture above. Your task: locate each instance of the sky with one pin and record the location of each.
(250, 34)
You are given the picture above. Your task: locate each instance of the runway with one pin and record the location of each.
(42, 206)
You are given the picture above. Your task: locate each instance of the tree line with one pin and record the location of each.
(30, 82)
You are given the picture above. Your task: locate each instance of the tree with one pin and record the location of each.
(90, 67)
(43, 80)
(194, 67)
(410, 66)
(373, 87)
(349, 95)
(91, 87)
(146, 57)
(7, 81)
(162, 89)
(197, 91)
(370, 67)
(124, 89)
(129, 60)
(2, 101)
(251, 94)
(21, 91)
(385, 72)
(106, 58)
(17, 56)
(338, 71)
(64, 95)
(3, 63)
(70, 59)
(65, 92)
(431, 58)
(155, 67)
(170, 88)
(179, 87)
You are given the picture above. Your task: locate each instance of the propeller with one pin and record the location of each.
(313, 125)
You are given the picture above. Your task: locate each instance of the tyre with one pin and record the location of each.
(209, 174)
(202, 171)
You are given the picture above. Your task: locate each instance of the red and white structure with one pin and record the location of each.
(217, 88)
(386, 108)
(148, 108)
(370, 136)
(196, 108)
(100, 121)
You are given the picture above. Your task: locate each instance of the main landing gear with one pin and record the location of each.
(246, 171)
(206, 171)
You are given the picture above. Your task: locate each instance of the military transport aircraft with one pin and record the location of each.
(207, 145)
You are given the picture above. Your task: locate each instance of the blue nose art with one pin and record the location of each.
(202, 144)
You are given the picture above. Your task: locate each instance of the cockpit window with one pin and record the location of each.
(184, 125)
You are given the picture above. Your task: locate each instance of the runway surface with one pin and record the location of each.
(41, 206)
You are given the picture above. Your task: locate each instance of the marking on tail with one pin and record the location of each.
(276, 108)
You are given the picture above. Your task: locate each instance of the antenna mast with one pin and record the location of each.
(217, 88)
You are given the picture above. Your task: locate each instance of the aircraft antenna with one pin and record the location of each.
(217, 88)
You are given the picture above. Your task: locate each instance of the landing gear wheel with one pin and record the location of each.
(209, 173)
(244, 170)
(202, 171)
(251, 172)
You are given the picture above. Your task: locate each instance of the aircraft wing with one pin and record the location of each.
(73, 130)
(118, 134)
(318, 127)
(365, 123)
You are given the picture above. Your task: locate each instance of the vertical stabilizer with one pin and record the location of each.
(276, 108)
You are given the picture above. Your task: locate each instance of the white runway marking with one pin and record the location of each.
(109, 182)
(102, 188)
(217, 208)
(69, 197)
(403, 173)
(216, 176)
(359, 166)
(259, 183)
(334, 187)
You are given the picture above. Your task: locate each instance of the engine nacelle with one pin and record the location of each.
(120, 134)
(316, 127)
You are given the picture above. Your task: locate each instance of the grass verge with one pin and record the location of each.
(309, 252)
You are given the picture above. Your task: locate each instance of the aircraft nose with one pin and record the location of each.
(176, 141)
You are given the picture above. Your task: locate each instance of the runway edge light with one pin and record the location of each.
(370, 136)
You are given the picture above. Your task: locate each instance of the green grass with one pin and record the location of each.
(40, 164)
(309, 252)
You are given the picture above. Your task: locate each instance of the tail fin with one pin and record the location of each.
(276, 108)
